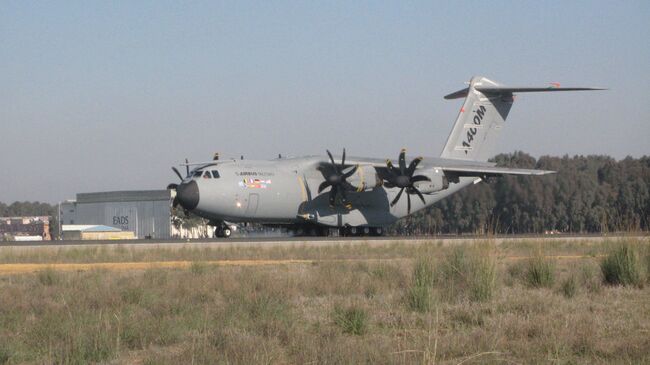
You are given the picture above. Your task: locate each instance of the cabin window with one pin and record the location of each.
(215, 174)
(197, 173)
(207, 175)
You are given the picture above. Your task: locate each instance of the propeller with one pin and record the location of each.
(403, 178)
(336, 178)
(174, 186)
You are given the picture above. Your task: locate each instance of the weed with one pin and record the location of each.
(5, 355)
(418, 298)
(48, 277)
(198, 268)
(569, 287)
(540, 272)
(621, 266)
(468, 272)
(352, 320)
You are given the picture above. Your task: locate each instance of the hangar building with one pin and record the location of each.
(146, 213)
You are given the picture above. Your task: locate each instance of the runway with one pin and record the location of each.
(286, 241)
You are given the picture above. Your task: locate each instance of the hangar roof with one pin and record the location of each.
(124, 196)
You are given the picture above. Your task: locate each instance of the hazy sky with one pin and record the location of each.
(108, 95)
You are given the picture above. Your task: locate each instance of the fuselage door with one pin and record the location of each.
(251, 209)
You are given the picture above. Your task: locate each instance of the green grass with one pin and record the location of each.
(569, 287)
(468, 272)
(334, 310)
(540, 272)
(622, 266)
(352, 320)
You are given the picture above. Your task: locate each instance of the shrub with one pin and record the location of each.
(621, 266)
(352, 320)
(540, 272)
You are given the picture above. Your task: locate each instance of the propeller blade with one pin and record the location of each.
(347, 186)
(323, 186)
(172, 186)
(343, 159)
(420, 195)
(417, 178)
(187, 167)
(397, 197)
(350, 173)
(177, 173)
(391, 168)
(402, 161)
(334, 165)
(408, 202)
(412, 166)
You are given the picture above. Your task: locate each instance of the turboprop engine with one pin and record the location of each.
(438, 181)
(365, 178)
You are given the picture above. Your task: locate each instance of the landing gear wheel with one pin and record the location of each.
(222, 232)
(226, 232)
(377, 231)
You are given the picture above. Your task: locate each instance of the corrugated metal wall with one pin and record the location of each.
(146, 218)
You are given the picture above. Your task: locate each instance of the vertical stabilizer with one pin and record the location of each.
(479, 121)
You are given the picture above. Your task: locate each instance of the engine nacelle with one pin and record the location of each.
(365, 178)
(438, 181)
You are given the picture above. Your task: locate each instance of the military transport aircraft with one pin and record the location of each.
(358, 196)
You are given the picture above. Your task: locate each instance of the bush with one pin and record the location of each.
(621, 266)
(540, 272)
(352, 320)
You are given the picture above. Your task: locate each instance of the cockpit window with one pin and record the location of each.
(207, 175)
(215, 174)
(197, 173)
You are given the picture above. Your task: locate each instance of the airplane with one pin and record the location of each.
(358, 196)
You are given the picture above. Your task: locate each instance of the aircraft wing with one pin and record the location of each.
(466, 170)
(458, 167)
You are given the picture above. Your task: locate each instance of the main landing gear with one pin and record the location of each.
(222, 231)
(349, 231)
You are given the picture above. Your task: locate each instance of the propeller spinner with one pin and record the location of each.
(403, 178)
(336, 178)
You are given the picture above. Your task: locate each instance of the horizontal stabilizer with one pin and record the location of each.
(509, 90)
(463, 170)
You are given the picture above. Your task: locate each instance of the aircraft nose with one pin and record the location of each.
(188, 195)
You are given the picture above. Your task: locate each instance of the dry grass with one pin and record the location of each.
(325, 310)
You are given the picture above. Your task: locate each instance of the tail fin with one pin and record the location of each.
(482, 116)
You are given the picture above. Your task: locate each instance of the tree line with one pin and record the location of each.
(587, 194)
